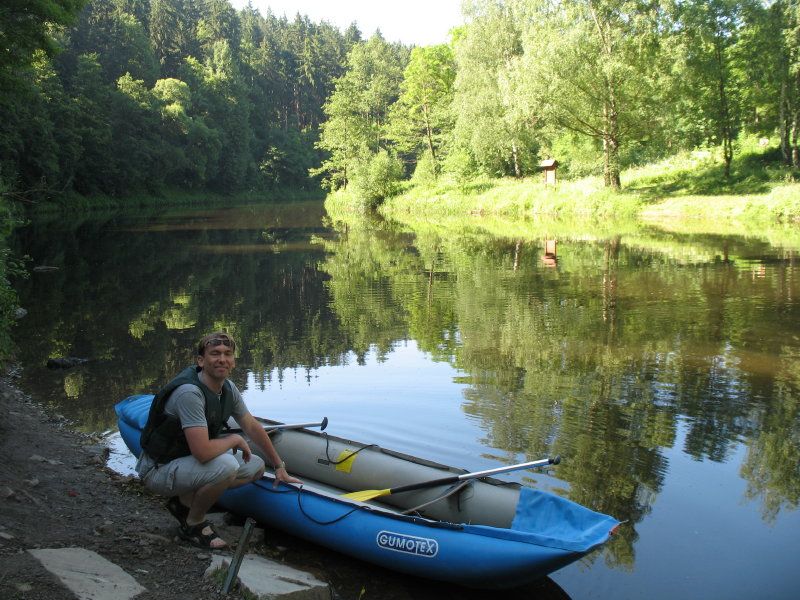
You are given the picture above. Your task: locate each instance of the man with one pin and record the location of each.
(185, 453)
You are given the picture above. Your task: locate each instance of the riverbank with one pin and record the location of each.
(56, 492)
(691, 187)
(171, 198)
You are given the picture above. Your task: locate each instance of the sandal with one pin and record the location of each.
(194, 534)
(178, 510)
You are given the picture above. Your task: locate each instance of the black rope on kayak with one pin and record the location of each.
(298, 490)
(346, 458)
(317, 521)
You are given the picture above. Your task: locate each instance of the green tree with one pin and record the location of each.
(226, 109)
(95, 119)
(761, 66)
(376, 178)
(343, 136)
(173, 26)
(708, 30)
(117, 37)
(39, 158)
(358, 109)
(487, 130)
(287, 158)
(590, 66)
(93, 173)
(421, 117)
(28, 37)
(219, 22)
(789, 11)
(139, 150)
(26, 27)
(8, 296)
(288, 68)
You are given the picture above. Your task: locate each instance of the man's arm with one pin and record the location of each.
(188, 405)
(204, 449)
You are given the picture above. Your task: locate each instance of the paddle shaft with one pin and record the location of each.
(476, 475)
(322, 425)
(280, 427)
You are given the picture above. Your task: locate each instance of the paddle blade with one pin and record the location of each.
(365, 495)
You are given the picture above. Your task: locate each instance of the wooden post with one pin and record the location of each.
(236, 561)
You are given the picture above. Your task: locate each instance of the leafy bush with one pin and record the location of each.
(287, 159)
(578, 156)
(426, 171)
(460, 163)
(377, 178)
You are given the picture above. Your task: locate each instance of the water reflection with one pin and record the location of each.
(635, 345)
(598, 361)
(550, 256)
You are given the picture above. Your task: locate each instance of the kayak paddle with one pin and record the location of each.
(282, 426)
(365, 495)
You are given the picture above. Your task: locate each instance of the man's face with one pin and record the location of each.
(217, 362)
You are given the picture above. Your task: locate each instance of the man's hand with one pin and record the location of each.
(282, 475)
(239, 444)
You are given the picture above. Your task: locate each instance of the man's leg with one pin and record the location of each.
(201, 500)
(198, 485)
(248, 471)
(214, 477)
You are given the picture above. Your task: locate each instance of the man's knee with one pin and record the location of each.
(253, 470)
(223, 467)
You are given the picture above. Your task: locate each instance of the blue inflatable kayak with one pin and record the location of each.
(482, 533)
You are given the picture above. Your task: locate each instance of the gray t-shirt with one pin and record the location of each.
(189, 406)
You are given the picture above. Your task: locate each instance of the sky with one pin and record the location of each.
(418, 22)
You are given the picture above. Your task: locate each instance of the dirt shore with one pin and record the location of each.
(56, 492)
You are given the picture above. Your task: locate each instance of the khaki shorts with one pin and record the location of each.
(187, 474)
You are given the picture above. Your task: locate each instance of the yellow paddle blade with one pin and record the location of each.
(365, 495)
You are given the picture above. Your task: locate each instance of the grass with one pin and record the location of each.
(219, 575)
(513, 198)
(693, 186)
(754, 171)
(690, 186)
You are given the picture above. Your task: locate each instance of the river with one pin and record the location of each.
(663, 367)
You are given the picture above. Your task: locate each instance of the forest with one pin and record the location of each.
(132, 96)
(600, 86)
(123, 97)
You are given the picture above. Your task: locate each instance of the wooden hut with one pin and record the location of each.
(549, 167)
